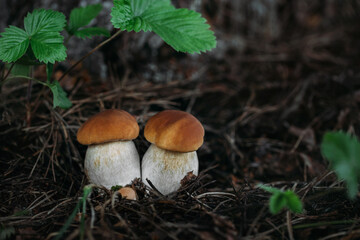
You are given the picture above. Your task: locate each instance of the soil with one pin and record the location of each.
(283, 74)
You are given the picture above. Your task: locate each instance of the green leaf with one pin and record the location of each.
(280, 200)
(293, 202)
(42, 20)
(343, 152)
(82, 16)
(60, 99)
(277, 202)
(183, 29)
(14, 43)
(48, 47)
(128, 14)
(42, 32)
(92, 31)
(43, 27)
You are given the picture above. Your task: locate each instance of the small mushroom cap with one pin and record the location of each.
(175, 131)
(107, 126)
(128, 193)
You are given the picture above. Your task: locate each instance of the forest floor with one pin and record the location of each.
(265, 106)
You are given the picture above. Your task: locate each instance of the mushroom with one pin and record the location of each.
(111, 158)
(175, 137)
(128, 193)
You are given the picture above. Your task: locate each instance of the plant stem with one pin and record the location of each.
(29, 78)
(89, 53)
(9, 71)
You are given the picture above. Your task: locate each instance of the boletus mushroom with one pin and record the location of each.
(111, 158)
(175, 137)
(128, 193)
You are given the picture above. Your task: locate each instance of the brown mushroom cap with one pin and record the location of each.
(109, 125)
(128, 193)
(175, 131)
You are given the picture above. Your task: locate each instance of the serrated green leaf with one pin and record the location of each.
(277, 202)
(343, 152)
(121, 14)
(43, 27)
(44, 20)
(48, 49)
(183, 29)
(293, 202)
(14, 43)
(92, 31)
(59, 96)
(82, 16)
(128, 14)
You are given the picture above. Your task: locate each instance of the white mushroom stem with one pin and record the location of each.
(114, 163)
(165, 169)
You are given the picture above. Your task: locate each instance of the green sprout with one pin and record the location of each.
(343, 152)
(282, 199)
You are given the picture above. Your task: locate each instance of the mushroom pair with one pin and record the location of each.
(112, 159)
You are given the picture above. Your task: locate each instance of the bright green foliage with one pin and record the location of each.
(44, 27)
(44, 21)
(42, 33)
(14, 43)
(293, 202)
(277, 202)
(59, 95)
(130, 14)
(343, 152)
(183, 29)
(281, 199)
(48, 47)
(82, 16)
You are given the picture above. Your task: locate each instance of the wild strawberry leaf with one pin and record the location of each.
(183, 29)
(280, 199)
(14, 43)
(43, 27)
(343, 152)
(59, 95)
(82, 16)
(43, 21)
(48, 47)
